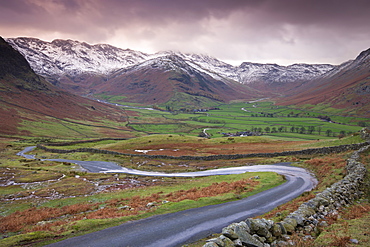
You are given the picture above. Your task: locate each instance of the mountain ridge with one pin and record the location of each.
(157, 79)
(104, 59)
(345, 87)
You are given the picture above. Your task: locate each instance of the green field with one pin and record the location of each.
(262, 117)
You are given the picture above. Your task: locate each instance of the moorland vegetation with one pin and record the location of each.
(44, 201)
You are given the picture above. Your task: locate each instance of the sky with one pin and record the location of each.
(262, 31)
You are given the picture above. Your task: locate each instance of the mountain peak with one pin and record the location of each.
(72, 58)
(78, 64)
(364, 55)
(91, 69)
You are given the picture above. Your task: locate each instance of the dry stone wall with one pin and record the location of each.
(311, 151)
(305, 220)
(84, 141)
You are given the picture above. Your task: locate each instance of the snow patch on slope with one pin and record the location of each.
(68, 57)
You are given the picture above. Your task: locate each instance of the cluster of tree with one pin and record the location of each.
(298, 129)
(266, 114)
(169, 108)
(291, 114)
(208, 120)
(186, 110)
(363, 124)
(263, 114)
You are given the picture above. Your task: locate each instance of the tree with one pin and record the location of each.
(311, 129)
(319, 130)
(169, 108)
(267, 129)
(328, 132)
(273, 130)
(342, 134)
(362, 124)
(302, 130)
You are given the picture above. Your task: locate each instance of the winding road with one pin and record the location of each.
(176, 229)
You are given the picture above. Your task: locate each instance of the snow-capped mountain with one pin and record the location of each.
(72, 58)
(346, 86)
(271, 73)
(160, 78)
(61, 57)
(194, 80)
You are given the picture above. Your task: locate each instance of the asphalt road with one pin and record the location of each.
(176, 229)
(183, 227)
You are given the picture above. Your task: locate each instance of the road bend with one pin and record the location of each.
(176, 229)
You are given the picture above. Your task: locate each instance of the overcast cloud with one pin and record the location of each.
(275, 31)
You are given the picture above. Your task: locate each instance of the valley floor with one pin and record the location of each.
(56, 192)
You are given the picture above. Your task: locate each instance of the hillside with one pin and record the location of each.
(193, 81)
(27, 100)
(161, 80)
(94, 69)
(345, 87)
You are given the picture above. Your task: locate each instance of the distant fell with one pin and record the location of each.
(27, 98)
(345, 87)
(95, 69)
(180, 80)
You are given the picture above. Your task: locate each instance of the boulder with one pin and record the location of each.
(261, 226)
(221, 241)
(288, 227)
(291, 221)
(229, 231)
(298, 217)
(217, 241)
(226, 241)
(277, 230)
(247, 239)
(210, 244)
